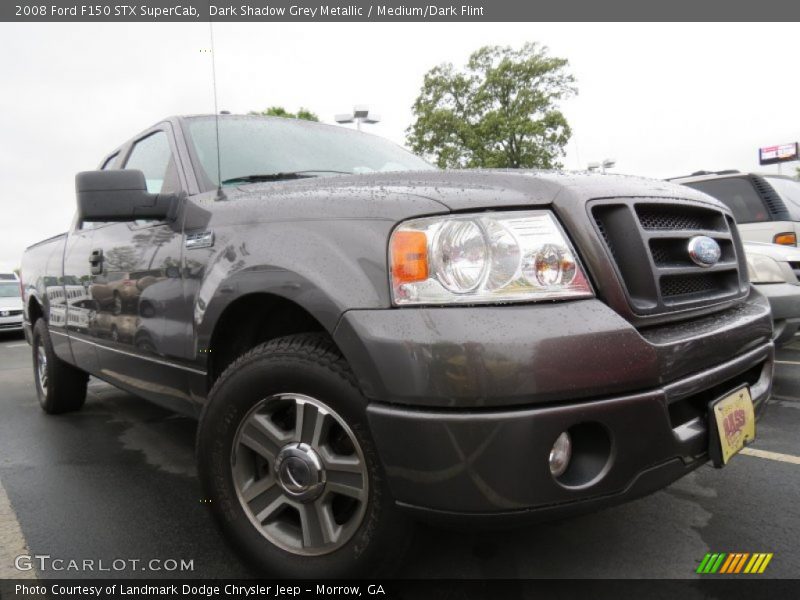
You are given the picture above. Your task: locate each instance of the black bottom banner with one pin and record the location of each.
(438, 589)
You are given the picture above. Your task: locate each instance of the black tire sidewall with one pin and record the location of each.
(229, 404)
(66, 385)
(41, 338)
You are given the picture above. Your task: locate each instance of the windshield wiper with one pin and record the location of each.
(280, 176)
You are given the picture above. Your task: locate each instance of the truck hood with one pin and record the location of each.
(468, 189)
(11, 303)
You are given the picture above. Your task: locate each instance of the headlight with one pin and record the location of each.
(481, 258)
(763, 269)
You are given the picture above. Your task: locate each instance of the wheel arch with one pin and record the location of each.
(35, 310)
(252, 319)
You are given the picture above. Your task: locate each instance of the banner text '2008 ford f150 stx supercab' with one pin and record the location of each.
(365, 338)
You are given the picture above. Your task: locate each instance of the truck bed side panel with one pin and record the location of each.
(42, 276)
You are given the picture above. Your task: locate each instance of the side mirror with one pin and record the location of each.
(120, 195)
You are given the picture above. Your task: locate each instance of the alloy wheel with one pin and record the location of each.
(300, 474)
(41, 367)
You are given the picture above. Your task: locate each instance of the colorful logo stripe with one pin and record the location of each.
(734, 562)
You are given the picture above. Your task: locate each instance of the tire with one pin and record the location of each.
(272, 384)
(60, 386)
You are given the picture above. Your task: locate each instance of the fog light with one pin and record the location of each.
(560, 454)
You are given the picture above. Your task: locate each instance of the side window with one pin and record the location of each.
(153, 157)
(739, 195)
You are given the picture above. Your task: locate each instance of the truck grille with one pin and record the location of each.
(796, 268)
(648, 241)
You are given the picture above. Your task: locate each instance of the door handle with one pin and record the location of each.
(96, 261)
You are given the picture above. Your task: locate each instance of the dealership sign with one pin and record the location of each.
(769, 155)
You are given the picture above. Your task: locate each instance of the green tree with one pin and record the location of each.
(121, 258)
(500, 110)
(279, 111)
(155, 236)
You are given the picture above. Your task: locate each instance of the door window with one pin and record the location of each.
(153, 157)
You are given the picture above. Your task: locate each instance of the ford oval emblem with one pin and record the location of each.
(704, 251)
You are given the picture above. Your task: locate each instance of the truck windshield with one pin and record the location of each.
(789, 190)
(9, 290)
(261, 146)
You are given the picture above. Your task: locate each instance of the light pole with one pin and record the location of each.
(360, 114)
(607, 163)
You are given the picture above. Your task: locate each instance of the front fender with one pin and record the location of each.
(324, 266)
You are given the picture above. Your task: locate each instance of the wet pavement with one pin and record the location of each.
(117, 481)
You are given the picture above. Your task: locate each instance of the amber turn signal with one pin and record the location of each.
(785, 239)
(409, 256)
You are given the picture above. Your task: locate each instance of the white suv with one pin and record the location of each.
(766, 207)
(10, 303)
(774, 270)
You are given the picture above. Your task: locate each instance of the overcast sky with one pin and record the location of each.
(662, 99)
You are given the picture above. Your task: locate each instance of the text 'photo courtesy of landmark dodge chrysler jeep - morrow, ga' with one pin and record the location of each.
(366, 340)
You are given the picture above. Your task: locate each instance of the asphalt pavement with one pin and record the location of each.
(117, 481)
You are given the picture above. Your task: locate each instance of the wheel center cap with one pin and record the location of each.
(295, 474)
(299, 471)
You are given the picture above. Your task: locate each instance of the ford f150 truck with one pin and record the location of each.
(365, 338)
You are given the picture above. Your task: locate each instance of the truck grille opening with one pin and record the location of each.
(649, 244)
(796, 268)
(604, 235)
(681, 285)
(653, 216)
(668, 252)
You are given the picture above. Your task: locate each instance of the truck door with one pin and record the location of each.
(141, 284)
(72, 308)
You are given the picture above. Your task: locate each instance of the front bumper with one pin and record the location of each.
(784, 301)
(494, 464)
(466, 403)
(11, 323)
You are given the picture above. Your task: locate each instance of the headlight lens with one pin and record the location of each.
(462, 256)
(763, 269)
(482, 258)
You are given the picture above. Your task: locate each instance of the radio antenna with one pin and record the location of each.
(220, 193)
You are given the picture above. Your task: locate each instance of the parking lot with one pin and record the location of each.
(117, 481)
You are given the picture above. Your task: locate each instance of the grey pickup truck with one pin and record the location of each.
(367, 340)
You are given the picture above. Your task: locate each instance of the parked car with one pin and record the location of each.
(10, 303)
(118, 290)
(162, 327)
(368, 338)
(116, 328)
(766, 206)
(775, 270)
